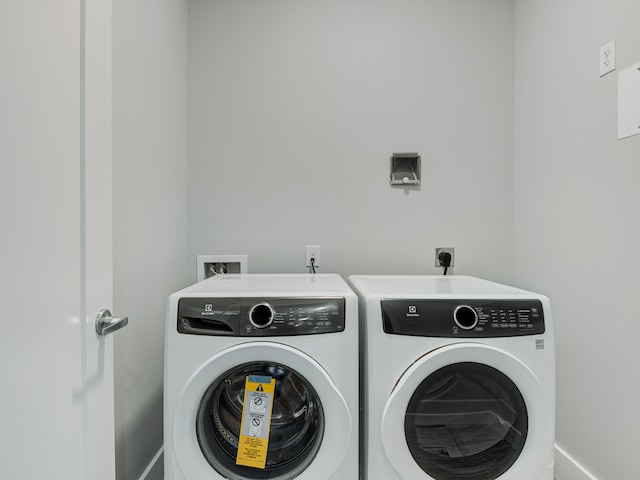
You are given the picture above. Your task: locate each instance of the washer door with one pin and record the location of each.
(468, 411)
(310, 423)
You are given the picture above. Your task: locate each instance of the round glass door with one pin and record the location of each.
(466, 420)
(297, 422)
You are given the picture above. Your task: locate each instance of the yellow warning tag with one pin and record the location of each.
(256, 421)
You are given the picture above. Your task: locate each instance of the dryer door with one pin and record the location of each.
(310, 421)
(468, 411)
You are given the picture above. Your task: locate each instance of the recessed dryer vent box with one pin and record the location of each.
(405, 169)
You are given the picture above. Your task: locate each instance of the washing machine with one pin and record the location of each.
(261, 379)
(458, 379)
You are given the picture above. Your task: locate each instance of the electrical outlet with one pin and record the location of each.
(440, 250)
(313, 251)
(608, 58)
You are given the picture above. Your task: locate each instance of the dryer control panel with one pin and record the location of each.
(471, 318)
(260, 317)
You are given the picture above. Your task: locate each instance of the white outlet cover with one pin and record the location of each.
(313, 251)
(608, 58)
(629, 101)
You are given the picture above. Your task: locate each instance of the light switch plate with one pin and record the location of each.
(608, 58)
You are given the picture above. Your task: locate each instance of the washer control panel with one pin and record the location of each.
(471, 318)
(260, 317)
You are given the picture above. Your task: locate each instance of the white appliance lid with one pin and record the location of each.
(272, 284)
(418, 286)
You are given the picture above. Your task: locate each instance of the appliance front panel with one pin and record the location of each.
(311, 426)
(260, 316)
(460, 318)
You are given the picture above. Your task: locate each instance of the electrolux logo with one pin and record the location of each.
(208, 309)
(413, 311)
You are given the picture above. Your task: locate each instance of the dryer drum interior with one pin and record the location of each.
(466, 420)
(297, 422)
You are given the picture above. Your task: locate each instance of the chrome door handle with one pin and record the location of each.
(106, 324)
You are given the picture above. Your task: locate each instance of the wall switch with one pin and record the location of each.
(313, 251)
(608, 58)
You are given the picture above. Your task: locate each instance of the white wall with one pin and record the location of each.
(297, 105)
(150, 205)
(576, 223)
(295, 108)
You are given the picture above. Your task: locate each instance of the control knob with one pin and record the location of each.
(465, 317)
(261, 315)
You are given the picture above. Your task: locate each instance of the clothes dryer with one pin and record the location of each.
(261, 379)
(458, 378)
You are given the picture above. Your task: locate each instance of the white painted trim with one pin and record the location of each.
(567, 468)
(152, 464)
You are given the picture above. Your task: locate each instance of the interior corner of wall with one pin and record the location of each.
(567, 468)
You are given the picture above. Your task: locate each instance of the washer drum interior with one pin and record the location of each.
(297, 423)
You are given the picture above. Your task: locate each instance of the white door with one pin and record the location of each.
(309, 440)
(56, 406)
(468, 410)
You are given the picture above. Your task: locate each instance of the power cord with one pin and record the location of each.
(445, 260)
(313, 265)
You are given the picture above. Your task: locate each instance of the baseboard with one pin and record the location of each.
(567, 468)
(155, 469)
